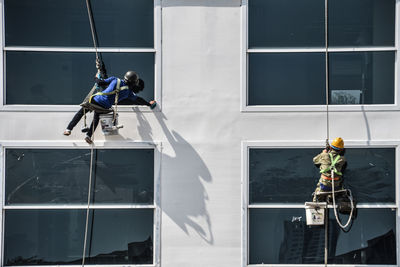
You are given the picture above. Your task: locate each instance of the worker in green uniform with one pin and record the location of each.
(330, 158)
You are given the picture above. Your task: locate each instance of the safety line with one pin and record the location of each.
(89, 194)
(92, 27)
(326, 71)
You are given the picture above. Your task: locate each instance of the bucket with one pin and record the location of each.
(107, 125)
(315, 213)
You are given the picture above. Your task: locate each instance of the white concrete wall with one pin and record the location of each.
(201, 129)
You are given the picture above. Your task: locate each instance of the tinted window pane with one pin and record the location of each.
(68, 76)
(287, 23)
(282, 175)
(280, 236)
(371, 174)
(66, 23)
(121, 237)
(286, 79)
(43, 237)
(46, 176)
(124, 176)
(361, 78)
(289, 176)
(361, 22)
(371, 240)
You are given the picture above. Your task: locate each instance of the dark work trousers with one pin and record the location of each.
(78, 116)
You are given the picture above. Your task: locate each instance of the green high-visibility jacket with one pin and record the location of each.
(323, 161)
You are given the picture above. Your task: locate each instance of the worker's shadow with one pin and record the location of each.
(188, 208)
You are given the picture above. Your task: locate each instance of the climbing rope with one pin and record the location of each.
(98, 59)
(326, 72)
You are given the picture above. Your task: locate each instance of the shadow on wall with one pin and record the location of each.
(190, 210)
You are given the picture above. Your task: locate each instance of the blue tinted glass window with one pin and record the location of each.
(124, 176)
(286, 23)
(281, 236)
(361, 77)
(118, 23)
(286, 79)
(361, 22)
(62, 78)
(289, 175)
(49, 176)
(55, 237)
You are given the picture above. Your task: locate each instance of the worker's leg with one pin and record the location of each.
(77, 117)
(93, 125)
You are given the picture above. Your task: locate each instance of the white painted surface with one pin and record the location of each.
(201, 129)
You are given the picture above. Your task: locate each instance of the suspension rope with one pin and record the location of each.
(92, 28)
(326, 72)
(98, 59)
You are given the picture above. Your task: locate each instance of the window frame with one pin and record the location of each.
(244, 68)
(156, 206)
(156, 50)
(246, 206)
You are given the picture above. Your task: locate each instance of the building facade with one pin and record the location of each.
(218, 173)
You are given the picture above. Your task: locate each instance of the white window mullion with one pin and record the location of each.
(78, 49)
(321, 50)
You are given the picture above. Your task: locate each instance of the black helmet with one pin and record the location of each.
(139, 86)
(131, 78)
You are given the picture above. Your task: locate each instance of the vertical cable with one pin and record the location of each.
(89, 197)
(326, 72)
(92, 27)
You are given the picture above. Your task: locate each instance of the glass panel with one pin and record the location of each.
(282, 175)
(43, 237)
(361, 22)
(286, 79)
(361, 78)
(46, 176)
(121, 237)
(68, 76)
(124, 176)
(371, 174)
(371, 240)
(289, 176)
(280, 236)
(286, 23)
(66, 23)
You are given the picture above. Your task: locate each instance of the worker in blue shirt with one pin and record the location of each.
(127, 92)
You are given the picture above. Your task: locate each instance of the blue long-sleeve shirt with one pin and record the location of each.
(108, 100)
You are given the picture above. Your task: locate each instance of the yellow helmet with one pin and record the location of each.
(337, 143)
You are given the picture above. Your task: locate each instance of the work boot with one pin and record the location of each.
(88, 140)
(67, 132)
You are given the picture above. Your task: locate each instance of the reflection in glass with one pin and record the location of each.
(361, 78)
(124, 176)
(286, 79)
(361, 22)
(289, 176)
(55, 237)
(281, 236)
(282, 175)
(66, 23)
(121, 237)
(47, 176)
(371, 240)
(43, 237)
(286, 23)
(69, 76)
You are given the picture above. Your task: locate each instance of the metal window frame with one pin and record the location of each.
(245, 51)
(156, 206)
(247, 145)
(67, 108)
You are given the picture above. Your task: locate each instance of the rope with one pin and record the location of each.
(334, 204)
(326, 72)
(89, 197)
(92, 28)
